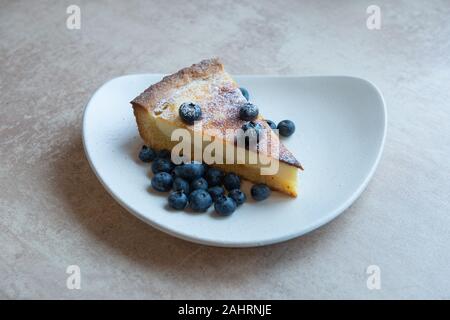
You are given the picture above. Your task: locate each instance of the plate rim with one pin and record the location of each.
(247, 244)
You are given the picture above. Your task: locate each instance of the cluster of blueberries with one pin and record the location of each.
(190, 112)
(197, 185)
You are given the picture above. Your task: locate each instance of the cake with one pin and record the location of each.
(210, 86)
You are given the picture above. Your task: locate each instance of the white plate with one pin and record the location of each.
(341, 127)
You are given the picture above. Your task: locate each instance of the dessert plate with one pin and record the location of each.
(341, 128)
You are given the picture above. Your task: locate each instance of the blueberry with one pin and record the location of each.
(252, 131)
(286, 128)
(164, 154)
(162, 181)
(260, 192)
(271, 124)
(251, 125)
(216, 191)
(178, 200)
(248, 112)
(190, 112)
(190, 171)
(179, 184)
(231, 181)
(162, 165)
(224, 205)
(205, 167)
(147, 154)
(200, 200)
(238, 196)
(199, 183)
(214, 177)
(245, 93)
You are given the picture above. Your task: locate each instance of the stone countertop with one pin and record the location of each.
(55, 213)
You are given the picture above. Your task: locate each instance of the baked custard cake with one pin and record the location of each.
(209, 86)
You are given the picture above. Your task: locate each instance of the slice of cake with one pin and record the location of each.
(207, 85)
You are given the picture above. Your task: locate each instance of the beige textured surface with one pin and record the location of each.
(54, 212)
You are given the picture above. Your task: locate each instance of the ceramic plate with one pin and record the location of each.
(341, 127)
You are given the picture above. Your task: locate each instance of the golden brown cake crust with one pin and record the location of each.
(224, 106)
(156, 92)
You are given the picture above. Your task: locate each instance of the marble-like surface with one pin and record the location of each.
(55, 213)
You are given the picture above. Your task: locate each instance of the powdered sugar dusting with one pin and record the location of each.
(220, 100)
